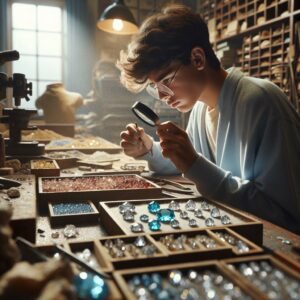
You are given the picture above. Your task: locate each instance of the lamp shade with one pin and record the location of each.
(118, 19)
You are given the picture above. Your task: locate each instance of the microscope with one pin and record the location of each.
(16, 117)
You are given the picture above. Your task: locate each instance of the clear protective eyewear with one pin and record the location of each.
(161, 90)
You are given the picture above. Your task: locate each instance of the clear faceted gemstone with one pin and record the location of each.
(137, 227)
(174, 205)
(149, 250)
(215, 212)
(204, 205)
(225, 220)
(174, 224)
(108, 244)
(120, 244)
(153, 207)
(176, 245)
(198, 213)
(209, 222)
(193, 223)
(190, 205)
(165, 215)
(128, 216)
(184, 215)
(140, 242)
(154, 225)
(242, 247)
(175, 277)
(144, 218)
(70, 231)
(126, 206)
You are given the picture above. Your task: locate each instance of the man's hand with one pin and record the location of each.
(176, 146)
(135, 141)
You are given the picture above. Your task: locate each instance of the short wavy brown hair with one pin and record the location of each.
(164, 37)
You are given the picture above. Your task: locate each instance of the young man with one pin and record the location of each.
(242, 143)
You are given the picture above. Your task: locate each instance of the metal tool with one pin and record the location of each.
(36, 255)
(166, 181)
(7, 183)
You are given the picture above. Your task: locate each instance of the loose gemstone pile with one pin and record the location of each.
(237, 244)
(87, 256)
(272, 281)
(93, 183)
(192, 285)
(71, 208)
(139, 247)
(43, 164)
(184, 242)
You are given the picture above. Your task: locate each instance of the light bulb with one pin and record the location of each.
(117, 24)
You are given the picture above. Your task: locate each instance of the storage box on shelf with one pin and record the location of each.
(70, 212)
(237, 16)
(95, 188)
(167, 281)
(185, 214)
(44, 167)
(264, 54)
(267, 276)
(238, 20)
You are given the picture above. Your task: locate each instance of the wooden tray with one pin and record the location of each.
(94, 247)
(236, 261)
(130, 261)
(23, 221)
(253, 248)
(113, 221)
(188, 254)
(55, 171)
(80, 218)
(98, 195)
(123, 276)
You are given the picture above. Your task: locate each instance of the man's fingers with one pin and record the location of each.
(132, 129)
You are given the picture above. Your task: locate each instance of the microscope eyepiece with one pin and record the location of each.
(8, 56)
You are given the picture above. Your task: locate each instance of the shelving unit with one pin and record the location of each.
(259, 37)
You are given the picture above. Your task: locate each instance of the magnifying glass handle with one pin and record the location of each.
(137, 128)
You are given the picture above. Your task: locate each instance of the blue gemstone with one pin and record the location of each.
(154, 225)
(165, 215)
(144, 218)
(156, 278)
(153, 207)
(164, 295)
(146, 280)
(90, 286)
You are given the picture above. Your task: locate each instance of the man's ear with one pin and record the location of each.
(198, 58)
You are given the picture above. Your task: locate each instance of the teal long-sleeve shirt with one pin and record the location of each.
(257, 167)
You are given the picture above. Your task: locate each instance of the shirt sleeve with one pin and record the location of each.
(273, 192)
(158, 163)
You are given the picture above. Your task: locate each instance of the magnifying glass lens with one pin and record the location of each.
(146, 114)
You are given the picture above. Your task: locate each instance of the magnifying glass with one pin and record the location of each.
(145, 114)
